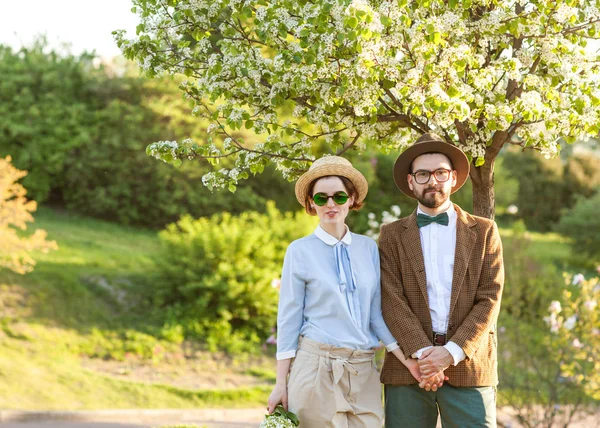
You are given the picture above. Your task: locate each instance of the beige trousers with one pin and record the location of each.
(334, 387)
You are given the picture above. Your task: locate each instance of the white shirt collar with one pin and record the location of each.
(332, 240)
(451, 212)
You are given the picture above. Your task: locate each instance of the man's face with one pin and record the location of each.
(433, 193)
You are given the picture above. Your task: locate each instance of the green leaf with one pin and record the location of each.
(232, 187)
(460, 65)
(249, 124)
(452, 92)
(291, 416)
(352, 22)
(480, 161)
(388, 84)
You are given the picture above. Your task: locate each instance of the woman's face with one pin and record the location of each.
(331, 213)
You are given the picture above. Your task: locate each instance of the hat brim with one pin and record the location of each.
(351, 173)
(459, 160)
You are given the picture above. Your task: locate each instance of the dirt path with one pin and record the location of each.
(63, 424)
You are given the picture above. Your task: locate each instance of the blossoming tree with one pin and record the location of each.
(15, 213)
(352, 73)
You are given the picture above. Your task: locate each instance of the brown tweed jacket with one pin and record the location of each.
(477, 285)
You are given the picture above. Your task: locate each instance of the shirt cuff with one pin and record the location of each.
(392, 346)
(420, 352)
(456, 351)
(285, 355)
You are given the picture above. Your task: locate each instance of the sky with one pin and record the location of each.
(85, 24)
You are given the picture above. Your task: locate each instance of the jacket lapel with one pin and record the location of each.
(411, 242)
(465, 242)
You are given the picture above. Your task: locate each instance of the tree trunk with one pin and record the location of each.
(484, 202)
(484, 198)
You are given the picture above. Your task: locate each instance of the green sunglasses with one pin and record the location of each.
(320, 199)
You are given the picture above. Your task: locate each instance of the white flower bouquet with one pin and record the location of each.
(280, 419)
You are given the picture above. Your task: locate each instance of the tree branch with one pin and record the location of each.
(352, 143)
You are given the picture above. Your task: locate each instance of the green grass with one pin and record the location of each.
(37, 376)
(547, 248)
(62, 289)
(70, 306)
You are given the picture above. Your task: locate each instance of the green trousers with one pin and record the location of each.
(413, 407)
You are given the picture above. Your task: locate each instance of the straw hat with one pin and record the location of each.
(430, 143)
(331, 165)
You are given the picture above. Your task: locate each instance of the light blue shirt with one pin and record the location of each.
(330, 292)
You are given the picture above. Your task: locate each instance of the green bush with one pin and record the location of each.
(215, 275)
(541, 188)
(537, 365)
(582, 224)
(530, 286)
(46, 111)
(111, 177)
(582, 177)
(81, 133)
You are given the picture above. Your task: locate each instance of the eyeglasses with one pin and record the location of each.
(441, 175)
(320, 199)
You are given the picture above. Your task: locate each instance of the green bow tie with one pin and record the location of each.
(424, 220)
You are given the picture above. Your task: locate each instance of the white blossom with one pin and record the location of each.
(577, 279)
(570, 322)
(555, 307)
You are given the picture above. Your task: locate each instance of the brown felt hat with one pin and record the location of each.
(430, 143)
(327, 166)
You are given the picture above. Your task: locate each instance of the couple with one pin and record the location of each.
(433, 303)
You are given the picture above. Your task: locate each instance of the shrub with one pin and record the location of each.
(582, 177)
(15, 213)
(81, 132)
(46, 111)
(582, 224)
(547, 372)
(541, 188)
(215, 275)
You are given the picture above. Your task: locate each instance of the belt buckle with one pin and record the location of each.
(439, 339)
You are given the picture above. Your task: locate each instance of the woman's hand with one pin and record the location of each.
(278, 395)
(412, 365)
(434, 382)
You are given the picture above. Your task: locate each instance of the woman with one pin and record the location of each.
(329, 318)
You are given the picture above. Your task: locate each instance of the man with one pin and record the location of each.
(442, 277)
